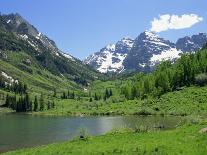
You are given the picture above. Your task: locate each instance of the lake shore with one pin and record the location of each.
(190, 141)
(41, 130)
(6, 111)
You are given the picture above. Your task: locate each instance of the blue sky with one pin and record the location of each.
(82, 27)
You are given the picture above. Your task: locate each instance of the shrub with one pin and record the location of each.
(83, 134)
(201, 79)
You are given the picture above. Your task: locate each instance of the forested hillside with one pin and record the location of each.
(188, 70)
(32, 67)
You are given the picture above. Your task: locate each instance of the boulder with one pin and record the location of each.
(204, 130)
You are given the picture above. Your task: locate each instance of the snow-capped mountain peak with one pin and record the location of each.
(110, 47)
(127, 41)
(151, 35)
(111, 57)
(142, 53)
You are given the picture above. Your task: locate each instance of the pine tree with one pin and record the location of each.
(110, 93)
(48, 105)
(7, 102)
(95, 97)
(64, 96)
(53, 104)
(73, 95)
(13, 104)
(24, 104)
(105, 97)
(107, 93)
(54, 93)
(35, 104)
(30, 106)
(134, 92)
(68, 94)
(25, 88)
(42, 106)
(27, 102)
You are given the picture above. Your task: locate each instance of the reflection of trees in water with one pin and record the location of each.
(161, 122)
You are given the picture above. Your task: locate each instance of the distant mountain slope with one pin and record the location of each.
(193, 43)
(23, 47)
(143, 53)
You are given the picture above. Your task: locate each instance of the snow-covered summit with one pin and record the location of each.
(142, 53)
(110, 47)
(111, 57)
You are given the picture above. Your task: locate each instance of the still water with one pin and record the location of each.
(18, 131)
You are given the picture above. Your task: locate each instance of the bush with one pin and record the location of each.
(201, 79)
(144, 112)
(83, 134)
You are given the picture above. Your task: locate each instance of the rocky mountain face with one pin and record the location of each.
(193, 43)
(148, 50)
(111, 57)
(28, 32)
(18, 35)
(143, 53)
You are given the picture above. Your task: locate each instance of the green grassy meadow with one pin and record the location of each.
(188, 101)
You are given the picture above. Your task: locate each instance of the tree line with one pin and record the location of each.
(67, 95)
(25, 104)
(107, 94)
(71, 95)
(189, 69)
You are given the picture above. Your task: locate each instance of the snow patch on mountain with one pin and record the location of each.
(8, 21)
(111, 57)
(25, 37)
(151, 36)
(9, 79)
(170, 54)
(68, 56)
(39, 35)
(127, 42)
(111, 62)
(31, 42)
(110, 47)
(108, 60)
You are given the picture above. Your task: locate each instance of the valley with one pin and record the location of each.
(147, 90)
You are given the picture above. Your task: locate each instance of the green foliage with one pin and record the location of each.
(35, 104)
(201, 79)
(190, 141)
(16, 87)
(42, 104)
(188, 70)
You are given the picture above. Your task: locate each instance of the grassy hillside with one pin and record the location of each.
(188, 101)
(182, 140)
(29, 61)
(37, 61)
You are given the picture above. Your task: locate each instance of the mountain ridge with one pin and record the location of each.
(27, 50)
(147, 50)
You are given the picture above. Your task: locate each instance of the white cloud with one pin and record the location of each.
(166, 22)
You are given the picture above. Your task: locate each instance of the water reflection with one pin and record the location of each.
(17, 131)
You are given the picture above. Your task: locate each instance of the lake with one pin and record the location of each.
(19, 130)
